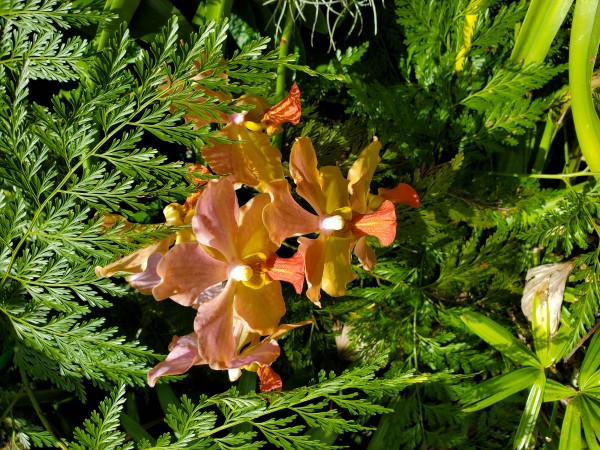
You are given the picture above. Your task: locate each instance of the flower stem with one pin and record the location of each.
(212, 10)
(125, 10)
(284, 45)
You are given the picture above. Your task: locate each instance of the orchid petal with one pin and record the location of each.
(287, 269)
(365, 254)
(215, 222)
(253, 236)
(209, 293)
(287, 110)
(183, 354)
(147, 280)
(186, 271)
(269, 379)
(360, 176)
(228, 159)
(259, 103)
(334, 188)
(286, 327)
(313, 251)
(214, 326)
(261, 309)
(250, 159)
(380, 223)
(403, 193)
(137, 261)
(262, 354)
(284, 217)
(337, 271)
(303, 168)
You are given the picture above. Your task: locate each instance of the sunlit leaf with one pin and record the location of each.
(591, 362)
(570, 435)
(530, 414)
(540, 328)
(590, 418)
(555, 391)
(501, 339)
(500, 387)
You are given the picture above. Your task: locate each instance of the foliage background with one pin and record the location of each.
(491, 148)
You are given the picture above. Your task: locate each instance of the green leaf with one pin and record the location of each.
(582, 54)
(555, 391)
(531, 412)
(501, 339)
(561, 343)
(498, 388)
(540, 328)
(166, 397)
(591, 361)
(570, 433)
(135, 429)
(590, 417)
(542, 22)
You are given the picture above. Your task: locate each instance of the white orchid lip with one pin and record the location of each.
(234, 374)
(332, 223)
(238, 118)
(241, 273)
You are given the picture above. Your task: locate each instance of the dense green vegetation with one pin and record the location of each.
(474, 329)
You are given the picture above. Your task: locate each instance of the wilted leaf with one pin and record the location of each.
(548, 282)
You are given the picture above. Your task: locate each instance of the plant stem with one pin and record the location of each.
(124, 10)
(38, 410)
(212, 10)
(12, 404)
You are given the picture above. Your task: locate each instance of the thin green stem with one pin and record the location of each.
(557, 176)
(124, 9)
(284, 46)
(543, 150)
(415, 334)
(212, 10)
(38, 410)
(12, 404)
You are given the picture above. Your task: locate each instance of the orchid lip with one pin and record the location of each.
(241, 273)
(234, 374)
(332, 223)
(238, 118)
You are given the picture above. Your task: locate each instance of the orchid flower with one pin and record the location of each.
(233, 246)
(142, 263)
(346, 212)
(250, 158)
(251, 353)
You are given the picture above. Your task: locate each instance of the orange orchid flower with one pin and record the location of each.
(250, 158)
(251, 353)
(233, 247)
(142, 263)
(346, 212)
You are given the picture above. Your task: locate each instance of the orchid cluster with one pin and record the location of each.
(226, 265)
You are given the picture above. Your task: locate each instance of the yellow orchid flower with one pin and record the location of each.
(346, 212)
